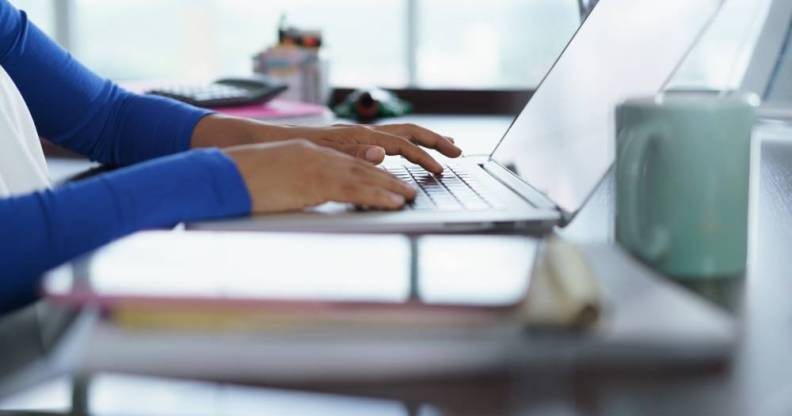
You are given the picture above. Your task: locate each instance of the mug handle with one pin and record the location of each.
(635, 154)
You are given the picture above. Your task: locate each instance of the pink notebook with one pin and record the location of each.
(275, 109)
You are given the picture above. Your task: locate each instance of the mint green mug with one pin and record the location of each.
(682, 175)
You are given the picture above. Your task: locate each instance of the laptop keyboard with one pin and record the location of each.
(455, 190)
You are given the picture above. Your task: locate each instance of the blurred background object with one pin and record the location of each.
(370, 104)
(513, 41)
(227, 92)
(299, 61)
(492, 53)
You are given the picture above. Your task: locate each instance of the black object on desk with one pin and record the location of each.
(227, 92)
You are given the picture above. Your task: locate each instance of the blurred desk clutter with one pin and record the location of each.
(276, 110)
(300, 61)
(370, 104)
(226, 92)
(289, 84)
(283, 111)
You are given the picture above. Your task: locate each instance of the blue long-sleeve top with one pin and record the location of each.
(78, 110)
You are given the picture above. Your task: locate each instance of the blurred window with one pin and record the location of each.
(493, 44)
(42, 12)
(127, 39)
(461, 44)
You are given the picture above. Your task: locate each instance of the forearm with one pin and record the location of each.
(128, 128)
(143, 128)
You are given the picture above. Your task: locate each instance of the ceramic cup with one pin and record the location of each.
(682, 175)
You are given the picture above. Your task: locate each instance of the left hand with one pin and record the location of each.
(370, 143)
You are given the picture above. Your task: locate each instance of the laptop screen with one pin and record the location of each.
(779, 90)
(562, 143)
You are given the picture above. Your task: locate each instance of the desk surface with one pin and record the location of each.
(758, 382)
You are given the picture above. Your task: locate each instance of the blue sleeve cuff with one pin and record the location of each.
(228, 184)
(196, 185)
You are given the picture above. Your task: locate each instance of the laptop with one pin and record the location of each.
(556, 151)
(769, 72)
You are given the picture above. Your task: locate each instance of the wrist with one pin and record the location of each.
(223, 131)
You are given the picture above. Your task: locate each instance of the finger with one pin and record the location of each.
(371, 175)
(369, 153)
(360, 171)
(368, 196)
(423, 137)
(395, 145)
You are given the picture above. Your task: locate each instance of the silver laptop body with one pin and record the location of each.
(558, 148)
(768, 74)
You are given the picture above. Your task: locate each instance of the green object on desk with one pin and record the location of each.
(682, 175)
(366, 105)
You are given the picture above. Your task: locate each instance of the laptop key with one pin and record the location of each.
(451, 191)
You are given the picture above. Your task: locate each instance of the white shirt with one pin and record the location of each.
(23, 168)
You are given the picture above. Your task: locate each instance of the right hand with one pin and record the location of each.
(293, 175)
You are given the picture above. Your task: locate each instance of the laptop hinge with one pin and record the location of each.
(521, 187)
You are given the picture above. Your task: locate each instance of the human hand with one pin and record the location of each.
(296, 174)
(370, 143)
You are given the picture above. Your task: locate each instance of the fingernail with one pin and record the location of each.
(397, 199)
(375, 154)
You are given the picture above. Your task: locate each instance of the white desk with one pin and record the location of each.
(758, 382)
